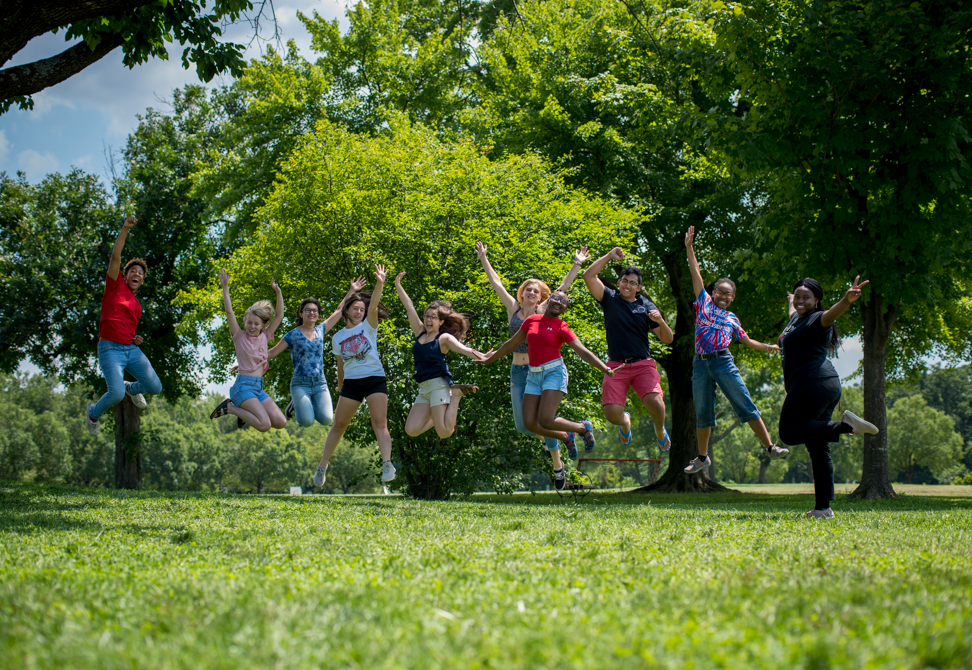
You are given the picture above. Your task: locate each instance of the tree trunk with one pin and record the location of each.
(763, 464)
(128, 445)
(875, 478)
(678, 369)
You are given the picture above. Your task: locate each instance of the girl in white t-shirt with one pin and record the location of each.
(361, 376)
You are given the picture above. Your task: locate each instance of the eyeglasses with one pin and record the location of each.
(560, 299)
(728, 294)
(632, 284)
(309, 311)
(431, 315)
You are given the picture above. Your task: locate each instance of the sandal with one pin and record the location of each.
(241, 424)
(588, 435)
(664, 441)
(571, 447)
(221, 409)
(625, 437)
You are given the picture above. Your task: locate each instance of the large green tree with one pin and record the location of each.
(921, 435)
(856, 114)
(419, 204)
(141, 28)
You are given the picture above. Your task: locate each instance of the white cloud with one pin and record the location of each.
(4, 146)
(36, 164)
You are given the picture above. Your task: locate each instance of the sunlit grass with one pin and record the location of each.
(108, 579)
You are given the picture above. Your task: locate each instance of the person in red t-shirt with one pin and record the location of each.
(547, 383)
(118, 350)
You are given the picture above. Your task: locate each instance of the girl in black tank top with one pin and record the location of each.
(441, 331)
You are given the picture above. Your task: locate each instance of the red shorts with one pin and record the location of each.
(642, 376)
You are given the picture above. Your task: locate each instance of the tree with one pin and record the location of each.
(921, 435)
(418, 203)
(257, 460)
(856, 116)
(55, 240)
(140, 27)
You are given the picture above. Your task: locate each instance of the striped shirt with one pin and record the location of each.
(714, 326)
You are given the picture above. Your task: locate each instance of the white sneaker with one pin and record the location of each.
(698, 466)
(858, 424)
(94, 427)
(320, 476)
(138, 399)
(387, 471)
(821, 513)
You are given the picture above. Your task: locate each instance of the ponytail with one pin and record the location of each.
(816, 289)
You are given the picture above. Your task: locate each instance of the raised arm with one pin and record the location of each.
(853, 295)
(759, 346)
(114, 265)
(380, 275)
(591, 280)
(579, 258)
(662, 331)
(234, 327)
(451, 343)
(588, 357)
(413, 318)
(356, 285)
(278, 317)
(277, 349)
(508, 346)
(509, 302)
(697, 284)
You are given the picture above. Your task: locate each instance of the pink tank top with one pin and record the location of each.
(251, 352)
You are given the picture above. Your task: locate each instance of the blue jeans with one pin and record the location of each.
(311, 400)
(518, 379)
(720, 370)
(115, 358)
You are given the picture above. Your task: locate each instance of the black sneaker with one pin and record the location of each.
(291, 410)
(560, 479)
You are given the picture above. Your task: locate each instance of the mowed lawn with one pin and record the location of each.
(106, 579)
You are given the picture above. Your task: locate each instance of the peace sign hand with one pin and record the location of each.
(854, 292)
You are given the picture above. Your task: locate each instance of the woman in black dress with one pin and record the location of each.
(812, 385)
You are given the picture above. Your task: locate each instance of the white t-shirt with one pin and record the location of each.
(358, 348)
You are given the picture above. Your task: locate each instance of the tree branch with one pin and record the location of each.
(30, 78)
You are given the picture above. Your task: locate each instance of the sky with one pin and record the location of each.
(83, 120)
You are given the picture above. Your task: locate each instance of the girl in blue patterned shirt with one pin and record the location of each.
(715, 329)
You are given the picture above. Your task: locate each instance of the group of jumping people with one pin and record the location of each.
(538, 375)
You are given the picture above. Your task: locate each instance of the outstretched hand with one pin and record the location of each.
(487, 357)
(689, 236)
(773, 348)
(130, 223)
(398, 279)
(616, 254)
(273, 283)
(223, 278)
(357, 284)
(381, 273)
(610, 373)
(854, 292)
(478, 356)
(480, 250)
(581, 256)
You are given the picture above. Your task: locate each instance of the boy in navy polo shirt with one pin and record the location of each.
(628, 318)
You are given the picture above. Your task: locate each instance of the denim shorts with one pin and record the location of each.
(246, 387)
(550, 376)
(720, 371)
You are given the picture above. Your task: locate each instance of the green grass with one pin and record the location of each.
(106, 579)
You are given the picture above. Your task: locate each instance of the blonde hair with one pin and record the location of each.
(261, 309)
(544, 290)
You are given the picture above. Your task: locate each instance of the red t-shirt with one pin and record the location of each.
(545, 336)
(120, 311)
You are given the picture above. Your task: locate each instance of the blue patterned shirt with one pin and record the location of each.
(308, 357)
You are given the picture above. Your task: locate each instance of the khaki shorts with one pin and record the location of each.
(433, 392)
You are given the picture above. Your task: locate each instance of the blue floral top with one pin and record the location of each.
(308, 357)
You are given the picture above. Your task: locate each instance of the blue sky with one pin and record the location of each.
(81, 120)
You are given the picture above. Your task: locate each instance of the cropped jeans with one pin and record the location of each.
(115, 359)
(518, 380)
(721, 371)
(311, 400)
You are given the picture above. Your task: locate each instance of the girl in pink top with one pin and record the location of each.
(248, 402)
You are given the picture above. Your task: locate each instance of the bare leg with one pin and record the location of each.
(655, 404)
(419, 419)
(616, 415)
(277, 418)
(445, 422)
(343, 414)
(703, 434)
(557, 463)
(531, 406)
(253, 413)
(760, 429)
(378, 408)
(547, 413)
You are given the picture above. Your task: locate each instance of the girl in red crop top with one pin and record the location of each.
(547, 382)
(118, 343)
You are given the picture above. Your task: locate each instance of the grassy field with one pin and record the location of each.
(106, 579)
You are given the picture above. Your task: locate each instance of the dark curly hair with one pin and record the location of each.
(135, 261)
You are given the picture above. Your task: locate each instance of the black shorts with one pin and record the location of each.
(359, 389)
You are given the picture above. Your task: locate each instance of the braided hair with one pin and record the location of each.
(816, 289)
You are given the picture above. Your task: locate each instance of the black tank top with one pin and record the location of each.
(429, 361)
